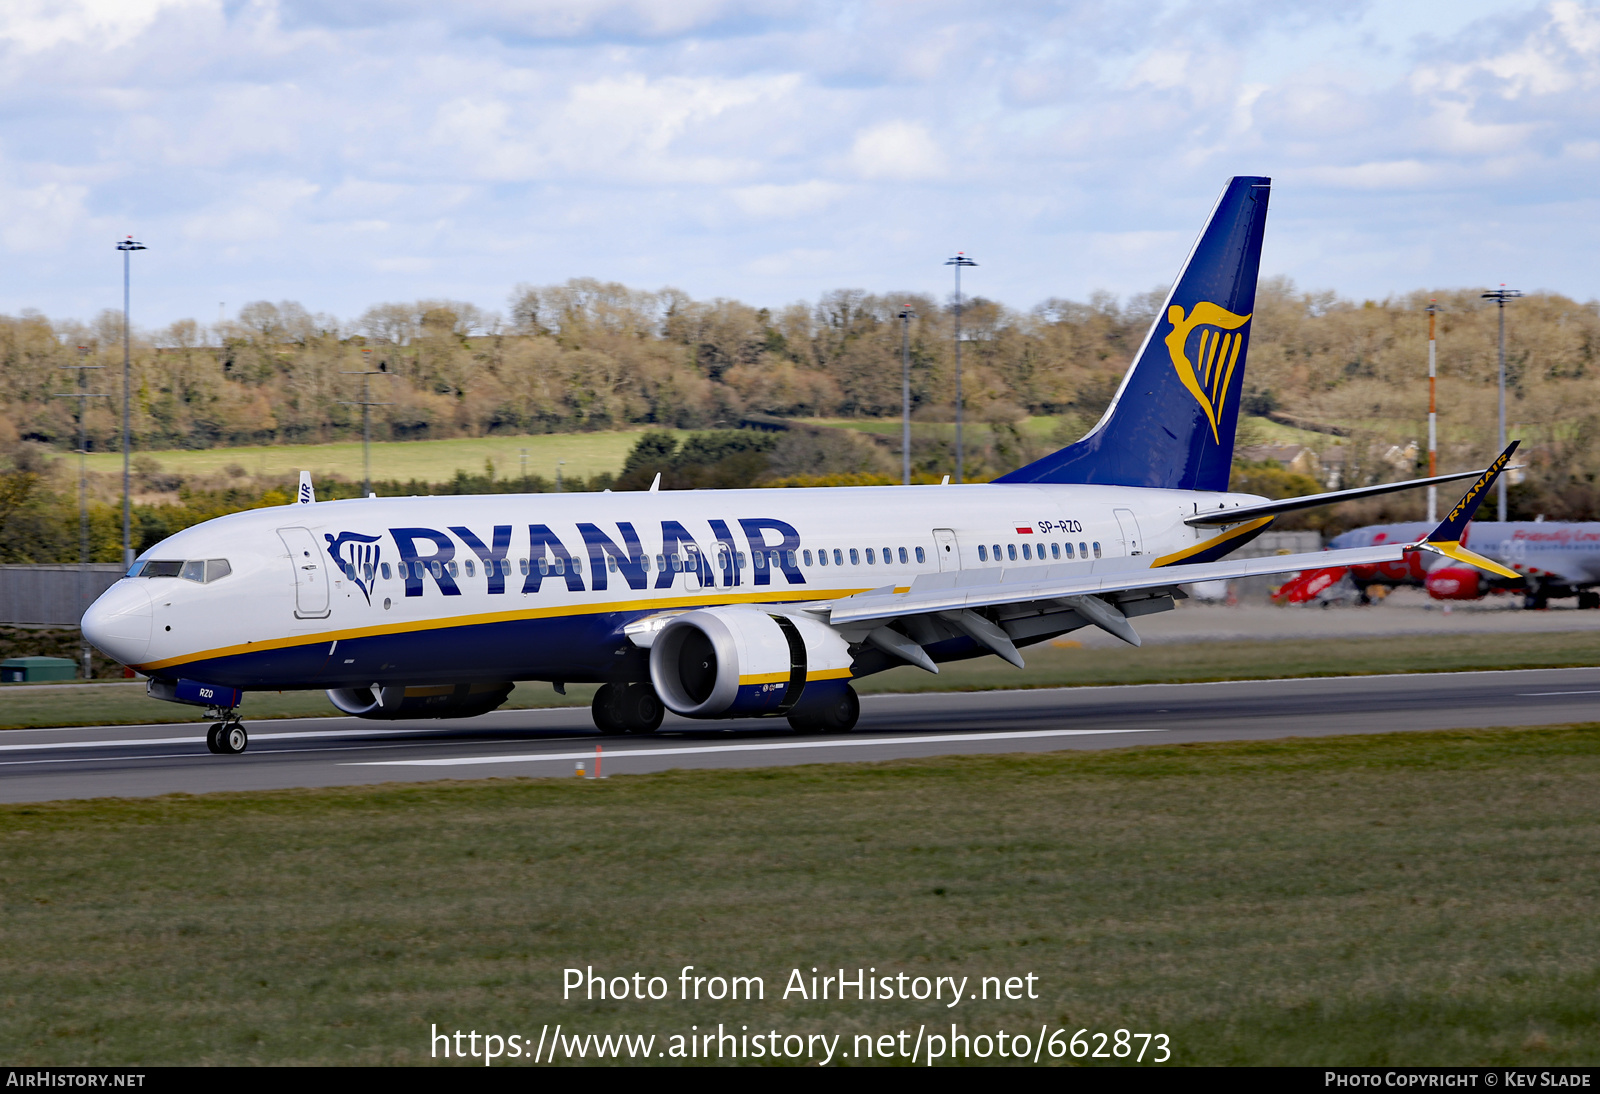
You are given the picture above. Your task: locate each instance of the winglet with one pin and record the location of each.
(1446, 538)
(655, 486)
(307, 494)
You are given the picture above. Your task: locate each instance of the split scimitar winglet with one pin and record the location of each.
(1446, 538)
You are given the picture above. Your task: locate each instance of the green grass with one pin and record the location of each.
(1048, 666)
(1038, 426)
(431, 461)
(1400, 899)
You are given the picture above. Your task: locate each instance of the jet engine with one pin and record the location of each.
(1454, 583)
(740, 661)
(395, 702)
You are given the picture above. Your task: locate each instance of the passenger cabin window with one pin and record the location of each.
(469, 568)
(921, 557)
(1055, 550)
(983, 553)
(872, 557)
(855, 557)
(903, 559)
(1083, 549)
(807, 556)
(1069, 550)
(1011, 551)
(822, 558)
(1027, 552)
(383, 568)
(838, 557)
(1096, 548)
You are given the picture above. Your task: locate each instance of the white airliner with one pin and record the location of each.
(738, 603)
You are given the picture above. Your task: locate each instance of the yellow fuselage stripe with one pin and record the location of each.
(1214, 541)
(772, 596)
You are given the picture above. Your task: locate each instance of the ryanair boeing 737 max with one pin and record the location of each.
(737, 603)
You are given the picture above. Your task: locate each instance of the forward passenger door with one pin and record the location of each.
(310, 573)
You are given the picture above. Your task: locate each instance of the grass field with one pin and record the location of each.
(1048, 666)
(1405, 899)
(585, 453)
(431, 461)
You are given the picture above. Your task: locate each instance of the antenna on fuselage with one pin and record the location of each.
(655, 487)
(307, 494)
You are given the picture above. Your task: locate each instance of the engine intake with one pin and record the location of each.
(395, 702)
(741, 662)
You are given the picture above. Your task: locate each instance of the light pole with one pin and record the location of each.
(1500, 296)
(366, 404)
(906, 316)
(83, 486)
(1433, 431)
(127, 247)
(959, 261)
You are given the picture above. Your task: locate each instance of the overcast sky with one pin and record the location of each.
(346, 152)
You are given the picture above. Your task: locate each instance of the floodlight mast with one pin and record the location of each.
(127, 247)
(906, 316)
(1500, 296)
(83, 490)
(959, 261)
(366, 404)
(1433, 431)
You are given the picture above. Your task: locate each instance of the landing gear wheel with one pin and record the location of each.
(232, 740)
(641, 709)
(1589, 600)
(838, 717)
(606, 709)
(214, 739)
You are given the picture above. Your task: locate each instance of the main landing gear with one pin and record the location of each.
(227, 737)
(839, 716)
(627, 708)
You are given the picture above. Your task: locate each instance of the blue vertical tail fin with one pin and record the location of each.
(1172, 421)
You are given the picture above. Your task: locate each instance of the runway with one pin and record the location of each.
(133, 761)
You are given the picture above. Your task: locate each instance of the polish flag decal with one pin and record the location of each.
(1024, 531)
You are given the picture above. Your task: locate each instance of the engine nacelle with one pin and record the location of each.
(395, 702)
(740, 661)
(1455, 583)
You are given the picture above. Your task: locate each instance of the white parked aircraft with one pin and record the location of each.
(735, 603)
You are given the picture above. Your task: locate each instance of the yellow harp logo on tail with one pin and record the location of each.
(1216, 353)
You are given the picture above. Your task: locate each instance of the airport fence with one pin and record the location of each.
(52, 596)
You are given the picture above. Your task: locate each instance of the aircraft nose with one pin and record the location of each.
(119, 623)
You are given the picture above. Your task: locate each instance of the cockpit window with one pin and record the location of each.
(200, 571)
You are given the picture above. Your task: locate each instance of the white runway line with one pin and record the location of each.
(49, 745)
(623, 753)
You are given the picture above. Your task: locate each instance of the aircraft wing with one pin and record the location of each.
(1028, 602)
(960, 589)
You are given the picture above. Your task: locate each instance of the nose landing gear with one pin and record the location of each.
(227, 737)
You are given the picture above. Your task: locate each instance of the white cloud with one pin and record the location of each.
(36, 25)
(768, 149)
(897, 150)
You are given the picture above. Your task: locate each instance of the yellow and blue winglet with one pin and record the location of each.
(1446, 538)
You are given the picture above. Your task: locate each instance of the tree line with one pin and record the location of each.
(1346, 377)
